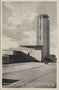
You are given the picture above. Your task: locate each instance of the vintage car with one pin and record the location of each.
(50, 58)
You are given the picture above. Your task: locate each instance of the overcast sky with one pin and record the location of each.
(20, 23)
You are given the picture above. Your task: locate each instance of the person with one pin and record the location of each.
(46, 59)
(28, 53)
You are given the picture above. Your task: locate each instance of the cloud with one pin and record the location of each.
(30, 16)
(17, 25)
(9, 6)
(29, 38)
(8, 43)
(12, 32)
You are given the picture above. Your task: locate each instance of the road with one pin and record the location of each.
(30, 75)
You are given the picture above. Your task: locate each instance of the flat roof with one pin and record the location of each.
(37, 47)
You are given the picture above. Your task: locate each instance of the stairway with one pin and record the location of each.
(20, 56)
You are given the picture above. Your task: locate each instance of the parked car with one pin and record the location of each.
(50, 58)
(53, 57)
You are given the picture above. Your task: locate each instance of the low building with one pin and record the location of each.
(5, 59)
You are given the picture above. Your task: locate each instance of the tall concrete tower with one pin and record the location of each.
(43, 33)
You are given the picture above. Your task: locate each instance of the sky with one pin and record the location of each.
(19, 23)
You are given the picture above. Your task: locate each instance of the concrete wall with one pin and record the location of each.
(8, 52)
(34, 53)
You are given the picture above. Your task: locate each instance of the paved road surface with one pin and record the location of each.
(30, 75)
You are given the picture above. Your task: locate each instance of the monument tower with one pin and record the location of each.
(43, 33)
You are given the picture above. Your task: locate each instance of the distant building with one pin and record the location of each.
(5, 59)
